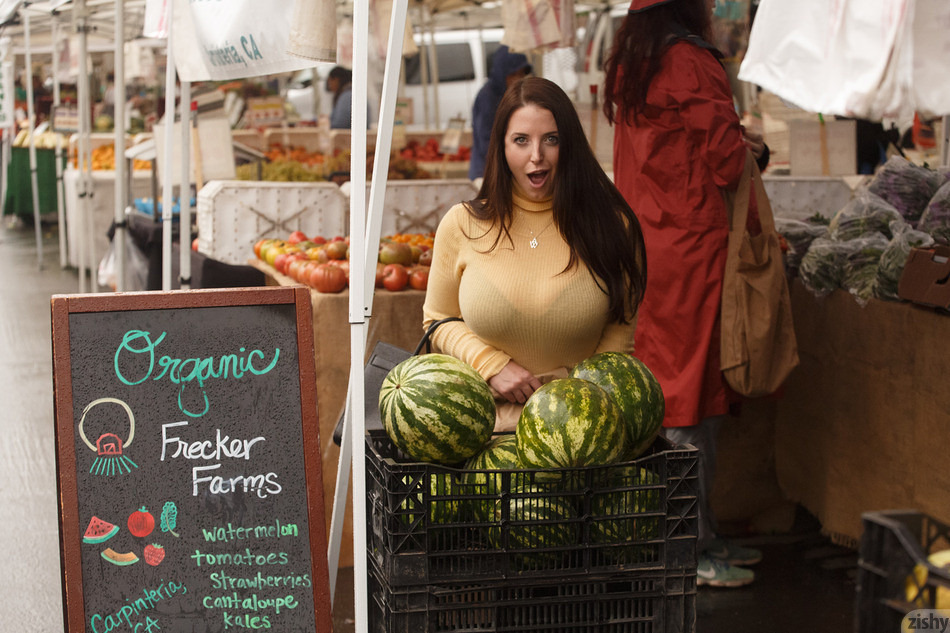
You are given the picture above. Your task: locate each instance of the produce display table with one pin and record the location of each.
(397, 319)
(863, 421)
(19, 198)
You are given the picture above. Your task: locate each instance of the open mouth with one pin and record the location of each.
(537, 178)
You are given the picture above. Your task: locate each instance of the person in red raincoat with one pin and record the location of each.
(677, 143)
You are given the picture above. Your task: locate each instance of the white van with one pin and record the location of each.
(464, 60)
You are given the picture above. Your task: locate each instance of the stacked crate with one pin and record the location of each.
(610, 549)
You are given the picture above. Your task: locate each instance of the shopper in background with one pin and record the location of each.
(506, 68)
(678, 143)
(546, 265)
(340, 85)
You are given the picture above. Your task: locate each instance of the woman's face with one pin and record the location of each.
(532, 146)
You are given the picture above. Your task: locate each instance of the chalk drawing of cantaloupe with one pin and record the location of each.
(121, 560)
(99, 531)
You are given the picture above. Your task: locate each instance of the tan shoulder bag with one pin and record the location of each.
(759, 349)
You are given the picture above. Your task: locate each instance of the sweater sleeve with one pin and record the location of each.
(442, 300)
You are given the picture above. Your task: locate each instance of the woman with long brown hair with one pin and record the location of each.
(677, 143)
(546, 266)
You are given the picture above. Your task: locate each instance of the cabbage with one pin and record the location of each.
(906, 186)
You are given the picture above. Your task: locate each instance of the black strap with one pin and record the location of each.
(425, 342)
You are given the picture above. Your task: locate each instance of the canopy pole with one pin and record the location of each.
(356, 314)
(167, 182)
(118, 126)
(84, 161)
(58, 155)
(362, 276)
(184, 189)
(31, 126)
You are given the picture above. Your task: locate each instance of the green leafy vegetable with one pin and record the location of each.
(169, 518)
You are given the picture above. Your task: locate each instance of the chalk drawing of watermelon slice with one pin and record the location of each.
(99, 531)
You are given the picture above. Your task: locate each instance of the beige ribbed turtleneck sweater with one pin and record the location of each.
(514, 300)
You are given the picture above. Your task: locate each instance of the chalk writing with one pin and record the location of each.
(247, 557)
(149, 600)
(222, 580)
(184, 371)
(236, 532)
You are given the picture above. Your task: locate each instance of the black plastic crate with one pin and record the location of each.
(892, 544)
(430, 524)
(628, 602)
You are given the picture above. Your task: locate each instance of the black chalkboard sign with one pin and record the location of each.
(188, 462)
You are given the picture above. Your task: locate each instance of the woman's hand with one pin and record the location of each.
(754, 141)
(514, 383)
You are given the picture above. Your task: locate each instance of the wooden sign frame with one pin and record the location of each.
(62, 307)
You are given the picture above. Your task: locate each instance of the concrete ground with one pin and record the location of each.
(804, 584)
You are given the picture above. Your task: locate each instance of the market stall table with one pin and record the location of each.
(863, 422)
(397, 319)
(101, 208)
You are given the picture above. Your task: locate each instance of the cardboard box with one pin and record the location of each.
(925, 277)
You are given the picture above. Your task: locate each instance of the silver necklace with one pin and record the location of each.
(534, 238)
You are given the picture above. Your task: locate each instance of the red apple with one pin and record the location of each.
(425, 259)
(380, 267)
(318, 239)
(395, 277)
(419, 277)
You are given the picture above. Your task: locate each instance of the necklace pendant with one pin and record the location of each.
(533, 242)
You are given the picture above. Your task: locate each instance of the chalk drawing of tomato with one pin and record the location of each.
(154, 554)
(141, 522)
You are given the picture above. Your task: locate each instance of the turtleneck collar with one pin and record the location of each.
(521, 201)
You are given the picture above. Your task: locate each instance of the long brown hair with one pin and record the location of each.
(590, 213)
(638, 48)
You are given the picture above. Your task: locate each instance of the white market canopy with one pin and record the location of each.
(869, 59)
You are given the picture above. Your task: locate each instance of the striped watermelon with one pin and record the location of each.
(570, 422)
(501, 453)
(530, 522)
(619, 514)
(436, 408)
(442, 503)
(635, 390)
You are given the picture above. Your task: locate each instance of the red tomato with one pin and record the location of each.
(395, 277)
(296, 236)
(337, 249)
(328, 278)
(154, 554)
(141, 522)
(194, 244)
(419, 277)
(318, 239)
